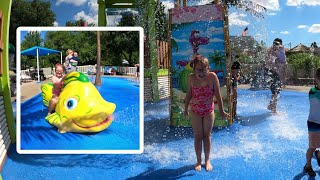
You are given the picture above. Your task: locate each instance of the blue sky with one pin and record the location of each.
(294, 21)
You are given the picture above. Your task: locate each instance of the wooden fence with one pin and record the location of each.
(162, 54)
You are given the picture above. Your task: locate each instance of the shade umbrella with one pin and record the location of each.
(40, 51)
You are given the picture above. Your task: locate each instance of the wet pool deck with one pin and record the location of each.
(258, 146)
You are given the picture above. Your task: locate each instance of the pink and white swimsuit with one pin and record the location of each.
(57, 87)
(202, 100)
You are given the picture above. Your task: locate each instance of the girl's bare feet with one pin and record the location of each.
(197, 167)
(208, 166)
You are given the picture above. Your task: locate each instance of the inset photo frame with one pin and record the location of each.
(89, 90)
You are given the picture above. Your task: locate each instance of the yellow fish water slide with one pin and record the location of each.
(80, 107)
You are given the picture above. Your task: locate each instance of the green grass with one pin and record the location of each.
(161, 72)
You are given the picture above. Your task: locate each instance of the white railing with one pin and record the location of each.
(48, 72)
(129, 71)
(25, 75)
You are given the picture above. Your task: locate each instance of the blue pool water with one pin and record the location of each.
(122, 134)
(257, 146)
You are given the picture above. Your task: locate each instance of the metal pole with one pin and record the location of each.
(38, 64)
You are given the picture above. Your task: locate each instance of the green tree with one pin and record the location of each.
(127, 19)
(123, 45)
(83, 42)
(31, 39)
(161, 22)
(249, 6)
(161, 19)
(80, 22)
(29, 13)
(303, 61)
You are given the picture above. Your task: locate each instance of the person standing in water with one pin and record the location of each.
(235, 77)
(313, 125)
(202, 86)
(276, 69)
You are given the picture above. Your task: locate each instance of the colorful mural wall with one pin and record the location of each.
(196, 30)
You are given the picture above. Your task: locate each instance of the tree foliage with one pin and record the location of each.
(161, 19)
(304, 61)
(80, 22)
(249, 6)
(31, 39)
(29, 13)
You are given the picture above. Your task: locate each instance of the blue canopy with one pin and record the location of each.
(40, 51)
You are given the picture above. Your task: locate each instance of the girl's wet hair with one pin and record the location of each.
(199, 59)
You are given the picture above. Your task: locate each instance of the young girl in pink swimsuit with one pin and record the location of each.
(57, 82)
(202, 86)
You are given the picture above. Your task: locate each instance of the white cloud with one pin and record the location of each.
(167, 5)
(301, 3)
(73, 2)
(113, 20)
(284, 32)
(293, 2)
(88, 18)
(236, 19)
(272, 14)
(271, 5)
(302, 26)
(312, 2)
(273, 32)
(315, 28)
(55, 23)
(93, 6)
(92, 16)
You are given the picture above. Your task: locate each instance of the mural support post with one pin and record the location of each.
(228, 64)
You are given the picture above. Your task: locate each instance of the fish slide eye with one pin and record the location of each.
(71, 103)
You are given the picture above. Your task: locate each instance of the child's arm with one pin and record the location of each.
(53, 79)
(217, 94)
(238, 76)
(63, 78)
(188, 96)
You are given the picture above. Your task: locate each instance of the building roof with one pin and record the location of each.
(300, 48)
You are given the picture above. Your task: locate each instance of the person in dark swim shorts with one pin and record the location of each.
(275, 87)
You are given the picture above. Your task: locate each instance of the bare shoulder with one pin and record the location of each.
(54, 78)
(212, 75)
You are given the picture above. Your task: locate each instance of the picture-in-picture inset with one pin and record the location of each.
(81, 90)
